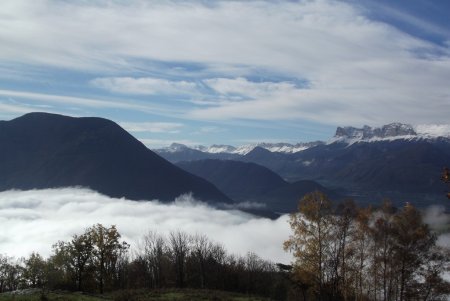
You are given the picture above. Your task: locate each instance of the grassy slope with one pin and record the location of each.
(163, 295)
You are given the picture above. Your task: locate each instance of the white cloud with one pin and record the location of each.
(63, 99)
(158, 143)
(434, 130)
(246, 88)
(34, 220)
(144, 85)
(152, 127)
(358, 71)
(14, 108)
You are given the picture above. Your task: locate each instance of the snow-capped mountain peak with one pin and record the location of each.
(392, 131)
(176, 147)
(367, 132)
(216, 148)
(243, 149)
(348, 135)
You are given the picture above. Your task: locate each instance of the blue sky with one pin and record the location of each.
(231, 72)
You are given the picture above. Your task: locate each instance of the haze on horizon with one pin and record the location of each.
(228, 72)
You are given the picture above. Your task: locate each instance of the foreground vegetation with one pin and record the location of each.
(341, 253)
(134, 295)
(351, 253)
(97, 261)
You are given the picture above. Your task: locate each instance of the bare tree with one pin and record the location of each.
(179, 246)
(201, 250)
(154, 253)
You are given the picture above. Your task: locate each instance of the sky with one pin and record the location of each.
(228, 72)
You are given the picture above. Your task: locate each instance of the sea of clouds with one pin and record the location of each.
(36, 219)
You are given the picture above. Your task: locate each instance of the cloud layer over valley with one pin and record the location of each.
(34, 220)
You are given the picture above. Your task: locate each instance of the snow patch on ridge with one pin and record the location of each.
(244, 149)
(389, 132)
(348, 135)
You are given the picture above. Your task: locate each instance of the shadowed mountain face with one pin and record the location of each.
(244, 181)
(401, 170)
(40, 150)
(404, 168)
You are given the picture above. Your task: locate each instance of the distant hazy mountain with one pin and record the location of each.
(396, 160)
(40, 150)
(349, 135)
(227, 151)
(177, 152)
(251, 182)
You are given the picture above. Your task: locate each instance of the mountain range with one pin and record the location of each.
(396, 161)
(404, 163)
(348, 134)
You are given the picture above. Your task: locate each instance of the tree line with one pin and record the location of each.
(350, 253)
(341, 252)
(97, 261)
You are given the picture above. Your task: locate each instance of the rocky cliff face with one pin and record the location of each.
(367, 132)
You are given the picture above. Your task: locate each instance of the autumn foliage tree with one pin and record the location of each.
(106, 253)
(309, 243)
(92, 258)
(350, 253)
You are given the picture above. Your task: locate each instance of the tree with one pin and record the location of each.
(310, 242)
(153, 255)
(383, 263)
(201, 251)
(342, 252)
(107, 250)
(179, 246)
(432, 286)
(4, 262)
(76, 255)
(12, 274)
(361, 243)
(34, 271)
(412, 244)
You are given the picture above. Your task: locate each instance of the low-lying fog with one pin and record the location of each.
(34, 220)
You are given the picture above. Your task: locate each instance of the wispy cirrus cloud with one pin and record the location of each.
(145, 85)
(241, 86)
(64, 99)
(234, 60)
(152, 127)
